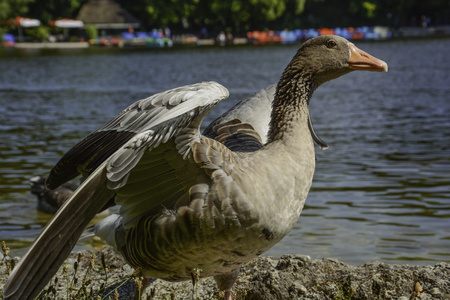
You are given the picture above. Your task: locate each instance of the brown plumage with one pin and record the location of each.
(188, 202)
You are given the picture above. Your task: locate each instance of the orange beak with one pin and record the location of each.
(360, 60)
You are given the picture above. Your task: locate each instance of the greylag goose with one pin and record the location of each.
(49, 201)
(254, 110)
(188, 202)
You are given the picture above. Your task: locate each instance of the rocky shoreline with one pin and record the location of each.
(288, 277)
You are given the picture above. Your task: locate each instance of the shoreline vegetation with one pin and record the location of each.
(153, 40)
(264, 38)
(105, 275)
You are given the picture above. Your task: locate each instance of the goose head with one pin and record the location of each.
(328, 57)
(319, 60)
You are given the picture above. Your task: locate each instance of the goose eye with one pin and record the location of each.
(331, 43)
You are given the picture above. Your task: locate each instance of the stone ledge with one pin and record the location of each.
(288, 277)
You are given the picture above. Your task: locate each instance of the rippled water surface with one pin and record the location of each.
(380, 192)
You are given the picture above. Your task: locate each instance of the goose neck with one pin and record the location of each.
(290, 111)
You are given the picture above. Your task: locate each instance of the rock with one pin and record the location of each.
(289, 277)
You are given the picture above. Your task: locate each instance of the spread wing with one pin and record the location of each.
(160, 109)
(164, 125)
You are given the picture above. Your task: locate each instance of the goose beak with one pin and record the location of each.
(360, 60)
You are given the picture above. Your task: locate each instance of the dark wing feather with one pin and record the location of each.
(238, 136)
(87, 155)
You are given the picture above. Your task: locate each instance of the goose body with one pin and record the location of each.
(49, 201)
(254, 110)
(188, 201)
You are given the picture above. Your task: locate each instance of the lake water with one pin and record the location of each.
(380, 192)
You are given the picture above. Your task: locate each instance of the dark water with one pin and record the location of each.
(381, 191)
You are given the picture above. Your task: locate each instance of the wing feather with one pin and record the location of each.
(167, 110)
(162, 179)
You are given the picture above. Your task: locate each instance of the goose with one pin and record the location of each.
(49, 201)
(187, 202)
(254, 110)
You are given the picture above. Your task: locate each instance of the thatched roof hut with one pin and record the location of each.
(106, 14)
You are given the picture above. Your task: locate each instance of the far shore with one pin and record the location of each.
(401, 33)
(49, 45)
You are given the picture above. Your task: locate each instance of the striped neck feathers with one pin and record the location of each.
(291, 103)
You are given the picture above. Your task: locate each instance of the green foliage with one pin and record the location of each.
(242, 15)
(371, 7)
(9, 9)
(37, 33)
(91, 31)
(2, 32)
(48, 10)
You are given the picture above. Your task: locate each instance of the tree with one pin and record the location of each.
(9, 9)
(48, 10)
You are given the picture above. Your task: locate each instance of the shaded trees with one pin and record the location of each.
(49, 10)
(238, 15)
(242, 15)
(9, 9)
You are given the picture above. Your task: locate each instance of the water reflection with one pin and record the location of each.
(381, 192)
